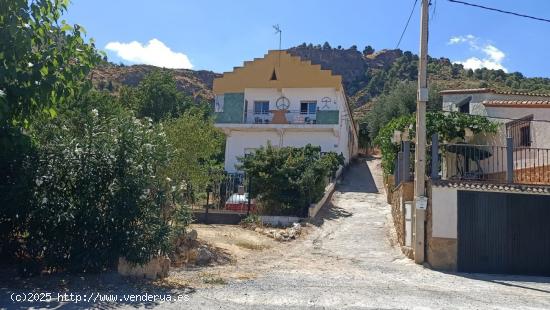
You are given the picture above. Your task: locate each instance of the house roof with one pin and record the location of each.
(490, 90)
(517, 103)
(486, 186)
(277, 69)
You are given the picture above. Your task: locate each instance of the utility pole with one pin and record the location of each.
(420, 149)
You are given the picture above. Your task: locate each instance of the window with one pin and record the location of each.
(520, 131)
(463, 105)
(261, 107)
(308, 107)
(465, 108)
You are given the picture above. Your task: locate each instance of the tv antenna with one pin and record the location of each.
(280, 32)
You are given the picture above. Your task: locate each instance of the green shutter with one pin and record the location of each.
(233, 109)
(327, 116)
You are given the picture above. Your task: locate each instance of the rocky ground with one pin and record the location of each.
(344, 260)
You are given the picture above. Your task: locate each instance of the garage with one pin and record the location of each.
(503, 233)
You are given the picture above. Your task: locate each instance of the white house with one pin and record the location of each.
(282, 100)
(524, 116)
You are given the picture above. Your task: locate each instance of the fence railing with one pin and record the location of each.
(290, 117)
(510, 164)
(230, 193)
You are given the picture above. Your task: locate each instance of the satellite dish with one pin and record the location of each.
(282, 103)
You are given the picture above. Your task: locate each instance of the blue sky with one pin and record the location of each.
(218, 35)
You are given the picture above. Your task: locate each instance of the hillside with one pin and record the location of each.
(197, 84)
(365, 74)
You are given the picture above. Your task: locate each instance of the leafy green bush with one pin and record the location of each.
(98, 194)
(448, 126)
(286, 180)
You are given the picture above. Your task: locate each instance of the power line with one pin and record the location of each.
(500, 11)
(407, 24)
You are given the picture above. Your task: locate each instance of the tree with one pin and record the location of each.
(44, 61)
(286, 180)
(157, 96)
(196, 146)
(368, 50)
(326, 46)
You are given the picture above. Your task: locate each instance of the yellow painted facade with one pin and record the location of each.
(291, 72)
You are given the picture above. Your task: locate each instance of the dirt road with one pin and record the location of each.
(345, 261)
(348, 262)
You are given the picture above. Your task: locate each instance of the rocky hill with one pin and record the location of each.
(197, 84)
(365, 74)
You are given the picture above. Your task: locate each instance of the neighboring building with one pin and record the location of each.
(282, 100)
(488, 210)
(516, 112)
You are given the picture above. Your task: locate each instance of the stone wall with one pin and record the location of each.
(441, 253)
(402, 193)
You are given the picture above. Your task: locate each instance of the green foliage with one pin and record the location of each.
(196, 144)
(158, 97)
(286, 180)
(401, 100)
(448, 126)
(97, 194)
(252, 219)
(44, 61)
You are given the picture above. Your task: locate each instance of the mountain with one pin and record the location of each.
(197, 84)
(365, 74)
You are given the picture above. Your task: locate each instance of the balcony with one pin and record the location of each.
(283, 117)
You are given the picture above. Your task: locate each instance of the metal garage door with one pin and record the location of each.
(503, 233)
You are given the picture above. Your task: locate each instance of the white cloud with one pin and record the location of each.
(490, 56)
(461, 39)
(153, 53)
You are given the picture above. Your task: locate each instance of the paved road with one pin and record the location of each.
(347, 261)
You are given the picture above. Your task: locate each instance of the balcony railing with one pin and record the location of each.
(280, 117)
(318, 117)
(477, 163)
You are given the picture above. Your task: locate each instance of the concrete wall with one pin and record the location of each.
(441, 242)
(444, 212)
(399, 195)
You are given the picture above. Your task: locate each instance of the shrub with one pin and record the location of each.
(286, 180)
(97, 190)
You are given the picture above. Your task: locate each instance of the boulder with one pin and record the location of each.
(204, 256)
(191, 235)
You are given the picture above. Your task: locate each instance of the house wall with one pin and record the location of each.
(240, 141)
(540, 138)
(294, 95)
(334, 133)
(441, 228)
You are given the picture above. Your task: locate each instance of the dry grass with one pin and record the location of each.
(251, 245)
(173, 283)
(210, 278)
